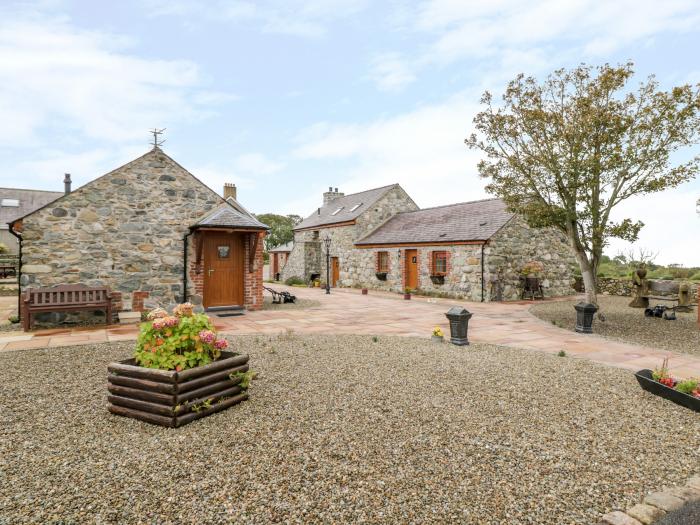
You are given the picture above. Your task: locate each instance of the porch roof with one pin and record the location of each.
(226, 216)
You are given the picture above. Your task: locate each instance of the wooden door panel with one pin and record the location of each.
(224, 265)
(411, 269)
(335, 271)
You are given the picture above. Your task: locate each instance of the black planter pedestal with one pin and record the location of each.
(584, 317)
(459, 325)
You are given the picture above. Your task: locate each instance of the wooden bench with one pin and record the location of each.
(65, 298)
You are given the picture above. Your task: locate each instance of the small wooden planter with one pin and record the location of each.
(173, 399)
(647, 382)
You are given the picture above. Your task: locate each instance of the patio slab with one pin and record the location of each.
(346, 311)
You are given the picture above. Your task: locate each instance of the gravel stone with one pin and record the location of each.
(627, 324)
(299, 304)
(343, 429)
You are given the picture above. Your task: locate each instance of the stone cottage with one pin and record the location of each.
(472, 250)
(278, 258)
(15, 203)
(153, 233)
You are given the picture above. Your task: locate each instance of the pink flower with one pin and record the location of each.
(158, 324)
(207, 336)
(221, 344)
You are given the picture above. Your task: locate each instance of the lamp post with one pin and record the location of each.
(327, 244)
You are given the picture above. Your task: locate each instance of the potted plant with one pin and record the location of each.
(364, 291)
(180, 371)
(407, 294)
(438, 336)
(438, 279)
(381, 276)
(660, 382)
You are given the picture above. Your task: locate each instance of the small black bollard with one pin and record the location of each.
(584, 317)
(459, 325)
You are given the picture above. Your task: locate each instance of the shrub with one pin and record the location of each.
(14, 319)
(294, 280)
(695, 276)
(177, 342)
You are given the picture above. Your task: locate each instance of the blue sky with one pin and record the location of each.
(286, 98)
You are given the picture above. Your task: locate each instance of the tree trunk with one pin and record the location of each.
(588, 274)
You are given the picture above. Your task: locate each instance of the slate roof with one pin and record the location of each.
(324, 215)
(466, 221)
(227, 216)
(283, 248)
(29, 200)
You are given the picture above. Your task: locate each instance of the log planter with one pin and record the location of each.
(173, 399)
(646, 381)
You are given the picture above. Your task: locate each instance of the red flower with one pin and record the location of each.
(178, 368)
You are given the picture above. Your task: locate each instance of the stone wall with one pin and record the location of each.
(624, 287)
(515, 245)
(308, 255)
(123, 230)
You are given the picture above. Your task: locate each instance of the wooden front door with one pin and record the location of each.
(335, 271)
(411, 269)
(224, 266)
(275, 265)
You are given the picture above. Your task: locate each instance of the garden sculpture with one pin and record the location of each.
(641, 288)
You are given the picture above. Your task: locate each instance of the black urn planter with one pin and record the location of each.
(172, 399)
(646, 381)
(459, 325)
(584, 317)
(381, 276)
(437, 279)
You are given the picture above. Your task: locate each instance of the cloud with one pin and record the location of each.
(391, 72)
(256, 164)
(423, 150)
(458, 30)
(86, 84)
(302, 18)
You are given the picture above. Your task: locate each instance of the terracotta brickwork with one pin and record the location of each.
(253, 280)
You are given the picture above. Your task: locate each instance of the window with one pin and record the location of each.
(10, 203)
(223, 251)
(355, 207)
(336, 212)
(439, 263)
(382, 261)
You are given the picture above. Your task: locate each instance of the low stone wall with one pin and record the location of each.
(625, 288)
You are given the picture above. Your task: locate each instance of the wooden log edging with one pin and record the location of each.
(656, 505)
(173, 399)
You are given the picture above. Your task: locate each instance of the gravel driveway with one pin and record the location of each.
(343, 429)
(629, 325)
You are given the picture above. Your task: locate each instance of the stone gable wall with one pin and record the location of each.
(124, 230)
(308, 255)
(515, 245)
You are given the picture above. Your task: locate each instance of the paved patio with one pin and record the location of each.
(346, 311)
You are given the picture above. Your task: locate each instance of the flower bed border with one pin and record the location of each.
(172, 399)
(644, 377)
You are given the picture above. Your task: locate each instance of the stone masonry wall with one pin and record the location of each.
(123, 230)
(515, 245)
(308, 255)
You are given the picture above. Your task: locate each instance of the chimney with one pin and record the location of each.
(66, 184)
(229, 190)
(331, 195)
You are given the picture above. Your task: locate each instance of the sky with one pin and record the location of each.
(286, 98)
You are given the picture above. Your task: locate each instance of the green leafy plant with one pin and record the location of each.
(14, 319)
(245, 378)
(294, 281)
(375, 339)
(177, 342)
(561, 353)
(688, 386)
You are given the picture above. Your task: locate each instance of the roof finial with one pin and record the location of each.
(157, 143)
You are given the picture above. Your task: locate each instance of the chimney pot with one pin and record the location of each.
(66, 183)
(331, 195)
(230, 190)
